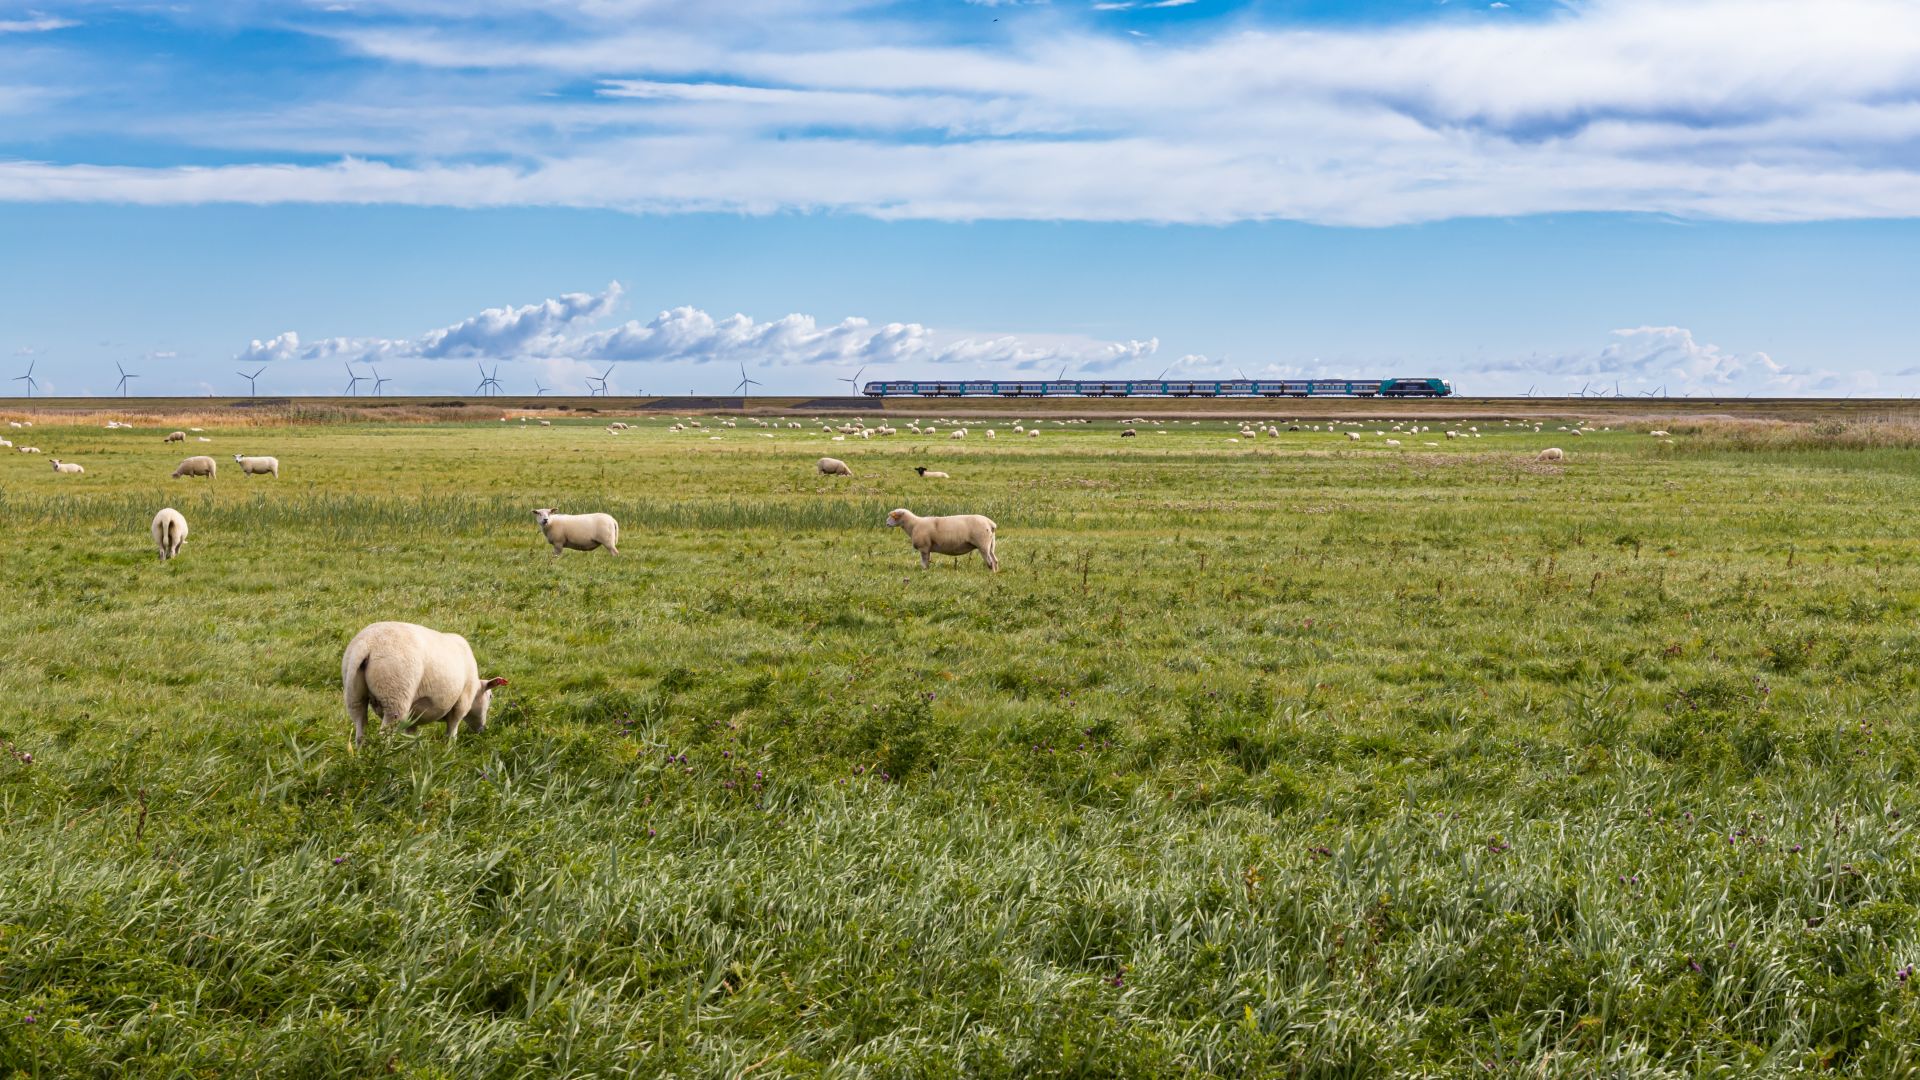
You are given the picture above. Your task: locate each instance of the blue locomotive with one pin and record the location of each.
(1181, 388)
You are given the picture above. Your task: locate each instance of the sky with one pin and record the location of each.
(1704, 197)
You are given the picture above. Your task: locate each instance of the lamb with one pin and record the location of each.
(169, 532)
(829, 466)
(955, 534)
(406, 670)
(933, 475)
(175, 436)
(581, 532)
(251, 466)
(196, 466)
(1552, 453)
(66, 467)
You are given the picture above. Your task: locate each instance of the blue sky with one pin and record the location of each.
(1711, 196)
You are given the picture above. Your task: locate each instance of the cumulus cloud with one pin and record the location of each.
(556, 333)
(1645, 358)
(1807, 112)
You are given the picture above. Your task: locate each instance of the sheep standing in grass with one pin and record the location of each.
(169, 532)
(830, 466)
(405, 670)
(581, 532)
(67, 468)
(260, 466)
(1552, 453)
(175, 436)
(197, 466)
(955, 534)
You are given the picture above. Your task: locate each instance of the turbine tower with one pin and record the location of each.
(378, 382)
(601, 390)
(253, 388)
(538, 389)
(354, 381)
(854, 382)
(488, 382)
(32, 383)
(122, 387)
(741, 387)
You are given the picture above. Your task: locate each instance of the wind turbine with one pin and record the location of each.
(488, 381)
(252, 388)
(745, 382)
(123, 379)
(601, 390)
(378, 382)
(1529, 392)
(31, 381)
(855, 381)
(538, 389)
(354, 381)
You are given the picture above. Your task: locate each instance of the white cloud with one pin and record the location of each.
(1807, 112)
(37, 25)
(1649, 358)
(554, 334)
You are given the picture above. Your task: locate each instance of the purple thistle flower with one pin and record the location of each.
(32, 1019)
(338, 859)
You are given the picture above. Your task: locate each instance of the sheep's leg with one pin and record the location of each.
(987, 554)
(926, 560)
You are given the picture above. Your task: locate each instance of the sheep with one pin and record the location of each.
(1129, 434)
(933, 475)
(29, 449)
(1393, 442)
(1353, 436)
(1033, 433)
(955, 534)
(195, 430)
(250, 466)
(67, 468)
(1552, 453)
(546, 423)
(829, 466)
(581, 532)
(175, 436)
(406, 670)
(197, 466)
(617, 426)
(1658, 434)
(6, 442)
(169, 532)
(959, 433)
(202, 438)
(1453, 434)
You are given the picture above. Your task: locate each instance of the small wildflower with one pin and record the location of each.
(650, 831)
(32, 1019)
(338, 859)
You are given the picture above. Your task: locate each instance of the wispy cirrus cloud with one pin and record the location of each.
(1652, 106)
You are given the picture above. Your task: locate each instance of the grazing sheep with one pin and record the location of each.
(67, 468)
(1033, 433)
(617, 426)
(197, 466)
(955, 534)
(169, 532)
(262, 466)
(546, 423)
(1353, 436)
(930, 475)
(1552, 453)
(1129, 434)
(1658, 434)
(830, 466)
(175, 436)
(1393, 442)
(405, 670)
(581, 532)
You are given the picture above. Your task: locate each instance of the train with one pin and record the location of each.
(1179, 388)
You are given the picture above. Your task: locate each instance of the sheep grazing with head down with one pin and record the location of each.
(197, 466)
(404, 671)
(258, 466)
(954, 534)
(175, 436)
(169, 532)
(832, 466)
(1552, 453)
(581, 532)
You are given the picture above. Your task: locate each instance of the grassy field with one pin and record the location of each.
(1288, 756)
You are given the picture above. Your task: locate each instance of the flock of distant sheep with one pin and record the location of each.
(406, 671)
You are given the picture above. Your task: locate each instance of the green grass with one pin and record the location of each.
(1283, 757)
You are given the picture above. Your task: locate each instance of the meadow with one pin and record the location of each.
(1286, 757)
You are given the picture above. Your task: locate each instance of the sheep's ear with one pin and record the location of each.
(497, 680)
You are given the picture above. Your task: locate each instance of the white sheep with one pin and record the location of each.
(581, 532)
(958, 433)
(1033, 433)
(169, 532)
(954, 534)
(1552, 453)
(67, 468)
(29, 449)
(201, 465)
(1353, 436)
(617, 425)
(202, 438)
(930, 474)
(405, 670)
(175, 436)
(261, 466)
(829, 466)
(6, 442)
(1658, 434)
